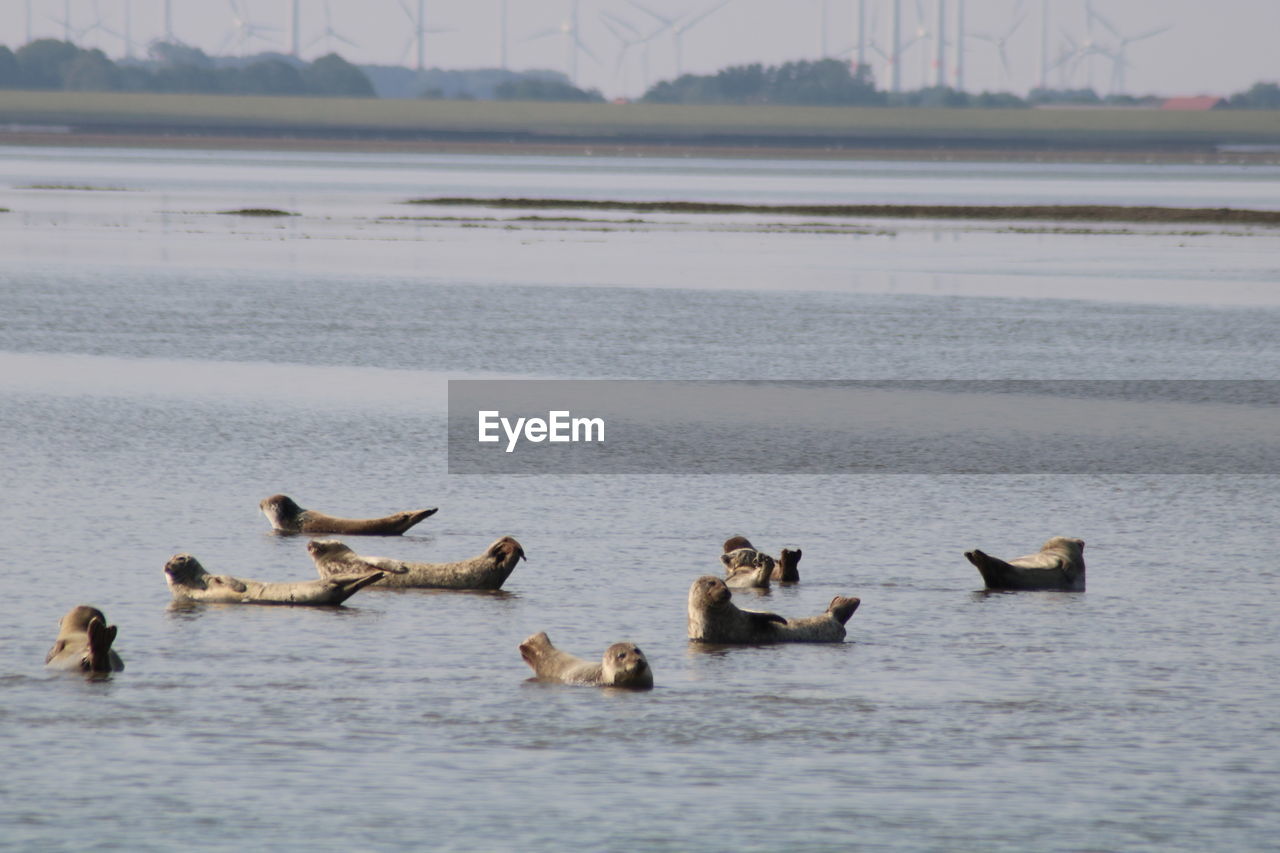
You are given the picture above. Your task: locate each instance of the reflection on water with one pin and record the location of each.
(148, 404)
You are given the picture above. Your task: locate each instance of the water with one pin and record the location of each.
(162, 369)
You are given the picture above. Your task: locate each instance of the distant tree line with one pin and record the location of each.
(1261, 96)
(54, 64)
(827, 82)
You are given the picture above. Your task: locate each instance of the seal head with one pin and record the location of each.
(84, 643)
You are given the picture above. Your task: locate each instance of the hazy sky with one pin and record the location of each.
(1211, 46)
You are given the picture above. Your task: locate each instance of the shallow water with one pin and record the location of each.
(160, 375)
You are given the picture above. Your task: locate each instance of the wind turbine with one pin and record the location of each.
(1117, 55)
(628, 37)
(69, 32)
(1000, 41)
(328, 34)
(679, 27)
(243, 31)
(420, 32)
(920, 34)
(569, 29)
(127, 36)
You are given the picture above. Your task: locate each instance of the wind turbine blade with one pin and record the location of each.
(692, 21)
(613, 28)
(608, 17)
(1110, 27)
(582, 47)
(668, 21)
(1149, 33)
(555, 31)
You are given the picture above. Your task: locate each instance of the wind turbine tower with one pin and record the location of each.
(1044, 44)
(959, 45)
(293, 29)
(895, 48)
(502, 34)
(822, 29)
(862, 34)
(939, 38)
(421, 33)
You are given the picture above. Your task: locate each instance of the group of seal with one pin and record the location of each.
(84, 642)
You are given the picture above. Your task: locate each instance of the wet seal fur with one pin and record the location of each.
(486, 571)
(286, 516)
(714, 618)
(1059, 565)
(747, 568)
(188, 581)
(786, 568)
(84, 643)
(623, 665)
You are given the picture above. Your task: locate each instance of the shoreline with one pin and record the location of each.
(1026, 213)
(667, 130)
(58, 138)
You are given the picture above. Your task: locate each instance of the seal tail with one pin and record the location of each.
(98, 658)
(788, 569)
(345, 586)
(993, 570)
(533, 648)
(417, 517)
(841, 608)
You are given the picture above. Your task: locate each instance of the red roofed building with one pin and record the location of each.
(1199, 102)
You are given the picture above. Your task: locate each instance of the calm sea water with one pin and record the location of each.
(163, 368)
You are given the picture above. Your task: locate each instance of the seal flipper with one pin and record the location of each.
(412, 518)
(788, 569)
(345, 586)
(55, 651)
(841, 608)
(993, 570)
(760, 620)
(226, 580)
(532, 649)
(98, 657)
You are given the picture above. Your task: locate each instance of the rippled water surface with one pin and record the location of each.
(163, 368)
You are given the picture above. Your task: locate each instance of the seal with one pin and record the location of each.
(1058, 565)
(786, 568)
(188, 581)
(714, 618)
(84, 643)
(485, 571)
(747, 568)
(623, 665)
(288, 517)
